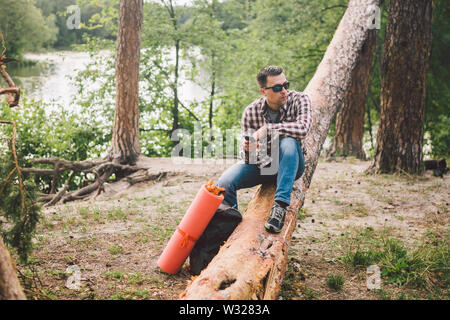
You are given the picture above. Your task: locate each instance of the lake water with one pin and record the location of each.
(49, 80)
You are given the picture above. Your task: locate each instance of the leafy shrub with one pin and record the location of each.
(44, 132)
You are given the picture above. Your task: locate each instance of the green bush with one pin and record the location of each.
(45, 130)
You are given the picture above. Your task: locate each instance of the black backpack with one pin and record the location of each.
(216, 233)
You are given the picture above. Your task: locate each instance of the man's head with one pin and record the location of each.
(273, 85)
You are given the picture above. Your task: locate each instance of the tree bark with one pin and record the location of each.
(125, 141)
(251, 264)
(403, 81)
(213, 90)
(10, 288)
(349, 130)
(175, 121)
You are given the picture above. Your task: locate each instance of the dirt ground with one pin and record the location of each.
(115, 239)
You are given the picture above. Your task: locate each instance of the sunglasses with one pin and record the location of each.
(279, 87)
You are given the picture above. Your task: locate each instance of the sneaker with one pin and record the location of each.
(276, 219)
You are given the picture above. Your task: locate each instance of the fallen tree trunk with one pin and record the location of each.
(251, 264)
(10, 288)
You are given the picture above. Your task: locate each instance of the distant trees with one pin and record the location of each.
(24, 27)
(57, 12)
(30, 25)
(404, 72)
(220, 45)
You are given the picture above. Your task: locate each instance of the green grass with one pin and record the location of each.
(84, 212)
(302, 214)
(424, 266)
(130, 294)
(310, 293)
(335, 281)
(161, 234)
(115, 250)
(137, 279)
(115, 275)
(360, 258)
(116, 214)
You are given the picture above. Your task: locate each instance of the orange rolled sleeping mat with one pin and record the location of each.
(191, 227)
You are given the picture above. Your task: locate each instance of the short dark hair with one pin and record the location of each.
(267, 71)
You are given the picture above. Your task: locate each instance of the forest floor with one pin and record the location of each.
(349, 221)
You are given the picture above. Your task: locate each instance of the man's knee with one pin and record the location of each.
(289, 146)
(225, 181)
(230, 177)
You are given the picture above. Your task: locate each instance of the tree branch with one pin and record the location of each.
(333, 7)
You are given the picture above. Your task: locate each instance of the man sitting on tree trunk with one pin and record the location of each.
(275, 123)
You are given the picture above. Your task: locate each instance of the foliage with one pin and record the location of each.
(58, 11)
(19, 211)
(24, 27)
(50, 133)
(97, 19)
(293, 34)
(100, 17)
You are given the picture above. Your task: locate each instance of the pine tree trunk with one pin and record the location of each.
(175, 115)
(349, 130)
(125, 141)
(251, 264)
(405, 63)
(10, 288)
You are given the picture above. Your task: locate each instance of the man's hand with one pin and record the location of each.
(261, 133)
(250, 144)
(257, 135)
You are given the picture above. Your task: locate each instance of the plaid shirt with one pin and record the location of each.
(295, 121)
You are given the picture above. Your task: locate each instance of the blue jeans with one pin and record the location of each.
(242, 175)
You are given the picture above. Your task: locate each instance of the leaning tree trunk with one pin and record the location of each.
(403, 80)
(125, 141)
(251, 264)
(10, 288)
(349, 130)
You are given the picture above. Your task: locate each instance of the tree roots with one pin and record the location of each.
(102, 169)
